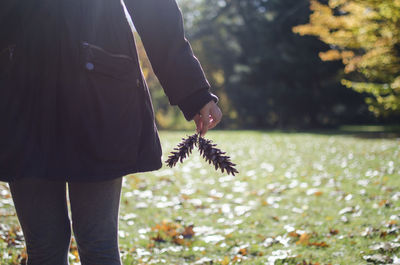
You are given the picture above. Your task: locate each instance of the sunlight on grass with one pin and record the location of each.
(319, 199)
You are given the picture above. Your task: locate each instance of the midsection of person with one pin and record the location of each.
(75, 85)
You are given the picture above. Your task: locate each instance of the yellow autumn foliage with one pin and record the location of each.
(365, 35)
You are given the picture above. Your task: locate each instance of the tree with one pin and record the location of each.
(269, 76)
(265, 75)
(365, 35)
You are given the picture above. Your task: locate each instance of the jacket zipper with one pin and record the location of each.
(123, 56)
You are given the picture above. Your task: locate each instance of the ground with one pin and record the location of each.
(300, 198)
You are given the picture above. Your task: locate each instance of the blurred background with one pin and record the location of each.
(293, 64)
(315, 86)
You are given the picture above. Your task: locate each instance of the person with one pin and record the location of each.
(76, 114)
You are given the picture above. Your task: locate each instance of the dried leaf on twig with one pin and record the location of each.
(208, 151)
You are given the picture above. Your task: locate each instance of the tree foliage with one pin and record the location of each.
(166, 116)
(365, 35)
(267, 75)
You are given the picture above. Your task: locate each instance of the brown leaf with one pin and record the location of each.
(294, 234)
(243, 251)
(225, 261)
(275, 218)
(385, 203)
(150, 245)
(303, 240)
(185, 197)
(333, 231)
(179, 240)
(319, 244)
(188, 233)
(158, 238)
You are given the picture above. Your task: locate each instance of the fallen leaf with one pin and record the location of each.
(158, 238)
(275, 218)
(378, 258)
(385, 246)
(344, 219)
(178, 240)
(385, 203)
(188, 232)
(318, 193)
(243, 251)
(333, 231)
(368, 231)
(204, 260)
(150, 245)
(318, 244)
(225, 261)
(346, 210)
(303, 240)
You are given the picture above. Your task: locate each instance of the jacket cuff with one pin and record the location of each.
(193, 103)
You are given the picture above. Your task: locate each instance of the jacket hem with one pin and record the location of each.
(6, 176)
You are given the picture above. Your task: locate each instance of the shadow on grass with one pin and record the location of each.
(365, 132)
(357, 131)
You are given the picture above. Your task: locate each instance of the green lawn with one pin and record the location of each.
(300, 198)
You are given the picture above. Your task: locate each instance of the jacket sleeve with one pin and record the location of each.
(160, 26)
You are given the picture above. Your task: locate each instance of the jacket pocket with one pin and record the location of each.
(101, 61)
(112, 105)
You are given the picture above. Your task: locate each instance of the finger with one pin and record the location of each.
(198, 122)
(212, 124)
(205, 123)
(216, 115)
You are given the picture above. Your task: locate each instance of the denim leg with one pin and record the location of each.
(42, 211)
(95, 210)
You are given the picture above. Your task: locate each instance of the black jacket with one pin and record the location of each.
(73, 101)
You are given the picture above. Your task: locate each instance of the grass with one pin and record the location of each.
(300, 198)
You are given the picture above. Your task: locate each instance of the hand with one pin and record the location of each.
(210, 115)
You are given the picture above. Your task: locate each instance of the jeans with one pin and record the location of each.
(42, 211)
